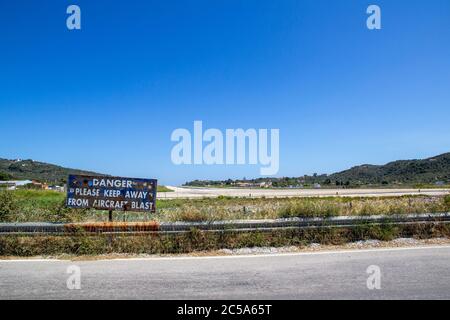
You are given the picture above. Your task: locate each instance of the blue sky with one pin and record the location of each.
(107, 97)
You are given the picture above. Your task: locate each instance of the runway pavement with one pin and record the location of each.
(408, 273)
(185, 192)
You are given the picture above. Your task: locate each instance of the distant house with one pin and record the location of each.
(440, 183)
(39, 185)
(56, 188)
(244, 184)
(317, 186)
(13, 184)
(265, 184)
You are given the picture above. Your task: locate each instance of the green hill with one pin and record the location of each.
(428, 170)
(35, 170)
(43, 172)
(402, 172)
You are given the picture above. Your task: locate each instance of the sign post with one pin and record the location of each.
(111, 193)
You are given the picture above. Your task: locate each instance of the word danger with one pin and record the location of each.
(112, 183)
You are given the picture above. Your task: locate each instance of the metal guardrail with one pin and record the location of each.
(28, 227)
(217, 226)
(304, 222)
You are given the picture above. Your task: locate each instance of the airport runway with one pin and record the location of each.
(182, 192)
(406, 273)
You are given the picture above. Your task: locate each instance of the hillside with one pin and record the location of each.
(402, 172)
(34, 170)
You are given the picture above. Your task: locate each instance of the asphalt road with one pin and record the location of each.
(417, 273)
(186, 192)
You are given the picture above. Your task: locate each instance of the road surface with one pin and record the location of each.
(186, 192)
(408, 273)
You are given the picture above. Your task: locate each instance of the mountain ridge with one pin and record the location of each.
(426, 170)
(416, 171)
(35, 170)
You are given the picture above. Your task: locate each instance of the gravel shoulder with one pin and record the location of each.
(314, 247)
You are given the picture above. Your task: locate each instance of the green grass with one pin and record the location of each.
(39, 205)
(41, 198)
(164, 189)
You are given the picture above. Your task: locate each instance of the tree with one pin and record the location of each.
(5, 176)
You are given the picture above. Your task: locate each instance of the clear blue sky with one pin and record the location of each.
(107, 98)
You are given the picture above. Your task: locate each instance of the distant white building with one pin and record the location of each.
(266, 184)
(57, 188)
(13, 184)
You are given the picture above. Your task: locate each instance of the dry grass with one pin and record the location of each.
(26, 206)
(230, 209)
(80, 244)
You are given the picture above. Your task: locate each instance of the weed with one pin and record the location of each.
(8, 205)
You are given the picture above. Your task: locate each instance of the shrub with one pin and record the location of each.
(309, 208)
(222, 197)
(8, 205)
(447, 202)
(5, 176)
(189, 214)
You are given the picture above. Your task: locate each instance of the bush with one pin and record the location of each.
(447, 202)
(309, 208)
(5, 176)
(8, 205)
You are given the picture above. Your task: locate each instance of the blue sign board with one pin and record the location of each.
(111, 193)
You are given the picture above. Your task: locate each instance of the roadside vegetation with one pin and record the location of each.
(80, 244)
(49, 206)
